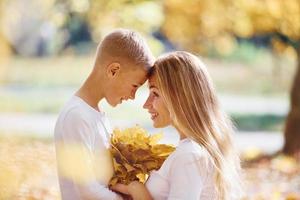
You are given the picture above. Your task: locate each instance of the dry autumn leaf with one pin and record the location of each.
(135, 154)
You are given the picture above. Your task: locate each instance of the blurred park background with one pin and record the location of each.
(251, 49)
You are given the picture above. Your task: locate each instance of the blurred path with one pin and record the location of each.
(254, 105)
(42, 125)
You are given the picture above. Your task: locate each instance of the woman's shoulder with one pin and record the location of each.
(189, 151)
(189, 146)
(189, 159)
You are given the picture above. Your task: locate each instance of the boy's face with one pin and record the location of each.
(123, 84)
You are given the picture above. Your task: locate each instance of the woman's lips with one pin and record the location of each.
(153, 115)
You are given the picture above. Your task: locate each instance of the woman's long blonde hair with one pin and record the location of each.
(189, 95)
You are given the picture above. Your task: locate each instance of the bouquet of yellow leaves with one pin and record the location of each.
(135, 154)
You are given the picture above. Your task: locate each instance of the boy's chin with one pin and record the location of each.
(112, 103)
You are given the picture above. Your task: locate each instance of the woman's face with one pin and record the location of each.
(156, 106)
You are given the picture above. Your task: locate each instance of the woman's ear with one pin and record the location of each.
(113, 69)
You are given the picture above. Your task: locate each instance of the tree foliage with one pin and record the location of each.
(142, 15)
(199, 25)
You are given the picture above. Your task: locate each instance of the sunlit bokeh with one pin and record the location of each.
(81, 166)
(47, 49)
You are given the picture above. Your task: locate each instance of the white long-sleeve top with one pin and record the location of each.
(187, 174)
(83, 160)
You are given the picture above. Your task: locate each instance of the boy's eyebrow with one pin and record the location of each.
(138, 84)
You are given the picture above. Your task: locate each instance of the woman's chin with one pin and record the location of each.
(158, 125)
(155, 126)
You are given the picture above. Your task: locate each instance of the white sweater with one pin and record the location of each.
(82, 142)
(187, 174)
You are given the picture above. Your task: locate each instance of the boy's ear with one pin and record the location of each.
(113, 69)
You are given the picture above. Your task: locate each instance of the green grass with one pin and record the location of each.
(46, 72)
(247, 52)
(258, 122)
(34, 99)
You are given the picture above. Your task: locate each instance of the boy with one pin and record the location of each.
(82, 131)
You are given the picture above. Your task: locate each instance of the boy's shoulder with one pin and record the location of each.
(73, 110)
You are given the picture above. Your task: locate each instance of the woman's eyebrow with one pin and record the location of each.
(151, 86)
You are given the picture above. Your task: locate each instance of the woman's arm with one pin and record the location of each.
(135, 189)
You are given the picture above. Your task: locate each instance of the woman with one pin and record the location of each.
(204, 165)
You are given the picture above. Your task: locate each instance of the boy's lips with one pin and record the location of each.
(123, 98)
(120, 101)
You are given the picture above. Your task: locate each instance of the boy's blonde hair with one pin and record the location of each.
(189, 95)
(123, 45)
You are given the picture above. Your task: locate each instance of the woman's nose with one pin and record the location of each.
(147, 103)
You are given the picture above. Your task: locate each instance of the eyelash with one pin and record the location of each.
(155, 94)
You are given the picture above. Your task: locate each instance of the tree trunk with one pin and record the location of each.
(292, 126)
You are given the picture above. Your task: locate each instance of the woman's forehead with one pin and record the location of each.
(152, 81)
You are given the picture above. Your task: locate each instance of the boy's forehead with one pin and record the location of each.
(140, 75)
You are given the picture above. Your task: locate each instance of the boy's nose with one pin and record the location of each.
(132, 95)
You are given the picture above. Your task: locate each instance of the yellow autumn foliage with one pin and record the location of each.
(196, 25)
(135, 154)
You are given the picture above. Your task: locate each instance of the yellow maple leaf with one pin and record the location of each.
(136, 153)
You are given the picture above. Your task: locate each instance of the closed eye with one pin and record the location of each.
(155, 94)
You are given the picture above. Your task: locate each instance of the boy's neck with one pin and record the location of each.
(91, 92)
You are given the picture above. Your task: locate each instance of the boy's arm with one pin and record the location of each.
(76, 161)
